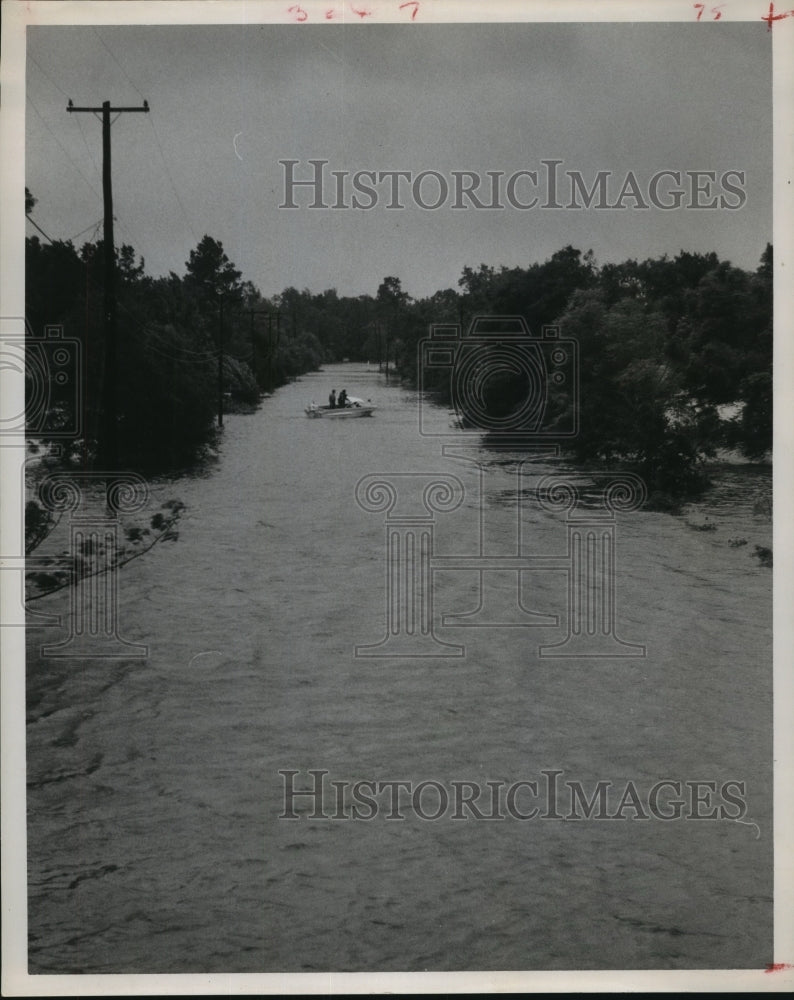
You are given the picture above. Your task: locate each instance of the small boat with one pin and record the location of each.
(355, 407)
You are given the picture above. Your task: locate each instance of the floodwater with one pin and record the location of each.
(155, 843)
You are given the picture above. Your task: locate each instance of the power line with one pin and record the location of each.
(63, 149)
(116, 61)
(44, 72)
(123, 225)
(132, 83)
(109, 441)
(121, 222)
(33, 223)
(91, 156)
(171, 180)
(94, 225)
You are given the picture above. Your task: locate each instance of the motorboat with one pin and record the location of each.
(354, 407)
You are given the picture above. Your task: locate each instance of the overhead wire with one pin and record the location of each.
(44, 72)
(150, 117)
(91, 156)
(120, 220)
(171, 181)
(116, 61)
(199, 356)
(155, 341)
(34, 223)
(94, 225)
(62, 147)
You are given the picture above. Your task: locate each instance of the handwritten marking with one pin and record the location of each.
(716, 11)
(778, 966)
(411, 3)
(772, 16)
(301, 15)
(234, 143)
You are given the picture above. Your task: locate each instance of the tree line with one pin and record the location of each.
(663, 343)
(171, 333)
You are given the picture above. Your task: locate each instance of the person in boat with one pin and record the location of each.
(332, 399)
(342, 401)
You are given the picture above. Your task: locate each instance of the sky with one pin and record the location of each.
(229, 102)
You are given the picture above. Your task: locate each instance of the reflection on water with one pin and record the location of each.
(155, 843)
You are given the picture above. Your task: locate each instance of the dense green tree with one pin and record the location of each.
(211, 273)
(662, 343)
(391, 306)
(632, 407)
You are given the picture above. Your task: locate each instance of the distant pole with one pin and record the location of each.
(110, 457)
(271, 347)
(108, 444)
(253, 344)
(220, 367)
(252, 313)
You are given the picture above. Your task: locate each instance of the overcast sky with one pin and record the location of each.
(227, 103)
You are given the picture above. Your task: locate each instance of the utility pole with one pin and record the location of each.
(220, 367)
(108, 444)
(274, 344)
(252, 313)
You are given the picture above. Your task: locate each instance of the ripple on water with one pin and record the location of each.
(155, 843)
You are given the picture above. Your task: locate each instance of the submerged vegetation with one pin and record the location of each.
(174, 334)
(674, 355)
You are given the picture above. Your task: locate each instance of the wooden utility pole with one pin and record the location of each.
(220, 367)
(108, 444)
(252, 313)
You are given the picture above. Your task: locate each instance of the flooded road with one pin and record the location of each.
(155, 842)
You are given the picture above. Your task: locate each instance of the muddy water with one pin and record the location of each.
(155, 843)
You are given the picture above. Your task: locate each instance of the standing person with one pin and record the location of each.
(332, 399)
(342, 401)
